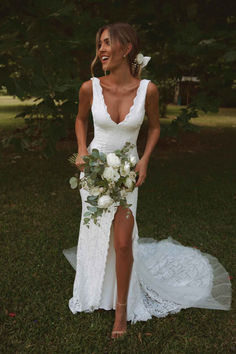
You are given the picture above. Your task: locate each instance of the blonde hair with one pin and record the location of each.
(124, 33)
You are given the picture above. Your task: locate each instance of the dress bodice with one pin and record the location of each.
(109, 135)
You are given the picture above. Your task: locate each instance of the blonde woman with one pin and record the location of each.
(115, 269)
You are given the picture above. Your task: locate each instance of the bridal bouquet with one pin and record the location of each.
(108, 178)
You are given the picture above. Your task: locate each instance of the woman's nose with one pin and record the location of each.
(102, 47)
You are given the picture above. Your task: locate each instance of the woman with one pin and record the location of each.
(115, 269)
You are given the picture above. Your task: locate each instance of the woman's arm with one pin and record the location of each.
(152, 110)
(81, 122)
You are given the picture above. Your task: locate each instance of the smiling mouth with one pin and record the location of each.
(104, 59)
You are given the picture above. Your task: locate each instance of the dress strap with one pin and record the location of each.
(95, 90)
(143, 93)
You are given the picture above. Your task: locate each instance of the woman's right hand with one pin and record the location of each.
(79, 161)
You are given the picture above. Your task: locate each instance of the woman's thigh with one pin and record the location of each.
(123, 226)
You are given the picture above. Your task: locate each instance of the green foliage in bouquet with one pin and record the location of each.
(108, 178)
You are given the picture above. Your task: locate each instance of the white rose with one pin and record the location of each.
(132, 175)
(139, 58)
(95, 191)
(128, 182)
(127, 168)
(122, 171)
(105, 201)
(133, 160)
(110, 174)
(113, 160)
(116, 175)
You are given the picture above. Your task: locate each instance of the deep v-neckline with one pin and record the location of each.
(131, 108)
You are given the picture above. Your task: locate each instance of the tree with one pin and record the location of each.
(46, 49)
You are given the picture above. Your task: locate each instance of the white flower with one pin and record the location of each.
(113, 160)
(127, 168)
(110, 174)
(73, 182)
(139, 58)
(128, 182)
(133, 160)
(95, 191)
(105, 201)
(132, 175)
(122, 171)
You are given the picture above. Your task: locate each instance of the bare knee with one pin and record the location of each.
(123, 248)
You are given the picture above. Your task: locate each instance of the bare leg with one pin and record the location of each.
(123, 228)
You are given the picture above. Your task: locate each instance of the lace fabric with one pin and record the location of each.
(166, 276)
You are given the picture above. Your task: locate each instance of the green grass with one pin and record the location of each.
(9, 107)
(190, 194)
(226, 117)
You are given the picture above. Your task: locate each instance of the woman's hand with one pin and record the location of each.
(79, 161)
(141, 168)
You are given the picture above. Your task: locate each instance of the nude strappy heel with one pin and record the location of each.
(118, 332)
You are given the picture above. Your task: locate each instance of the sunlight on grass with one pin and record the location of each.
(14, 101)
(10, 106)
(226, 117)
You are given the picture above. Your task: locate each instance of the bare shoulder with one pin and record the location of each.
(152, 90)
(86, 92)
(86, 87)
(152, 95)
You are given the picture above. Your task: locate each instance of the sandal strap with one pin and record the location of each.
(119, 331)
(118, 303)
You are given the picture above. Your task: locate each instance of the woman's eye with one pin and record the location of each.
(107, 42)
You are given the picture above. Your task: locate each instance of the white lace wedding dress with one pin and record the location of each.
(166, 276)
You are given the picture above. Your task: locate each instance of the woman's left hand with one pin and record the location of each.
(141, 168)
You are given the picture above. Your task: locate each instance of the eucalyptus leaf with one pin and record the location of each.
(92, 197)
(73, 182)
(93, 209)
(95, 153)
(102, 156)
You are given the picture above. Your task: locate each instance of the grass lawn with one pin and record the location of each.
(9, 107)
(190, 194)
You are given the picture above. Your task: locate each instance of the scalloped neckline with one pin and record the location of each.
(131, 108)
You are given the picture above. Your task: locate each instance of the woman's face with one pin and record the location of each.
(109, 58)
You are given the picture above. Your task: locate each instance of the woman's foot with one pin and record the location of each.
(120, 324)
